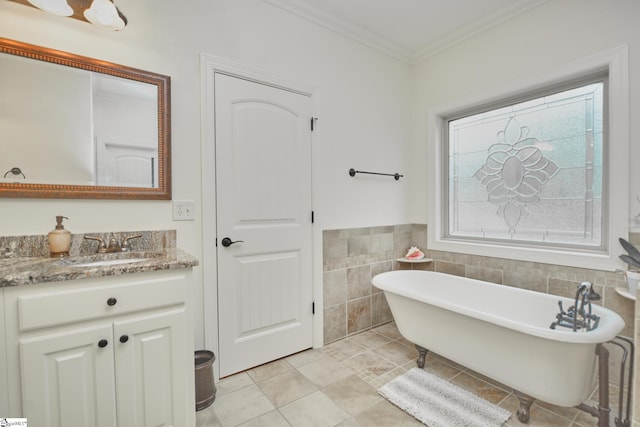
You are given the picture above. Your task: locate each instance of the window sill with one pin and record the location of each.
(582, 259)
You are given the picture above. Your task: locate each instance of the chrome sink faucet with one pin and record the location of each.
(114, 246)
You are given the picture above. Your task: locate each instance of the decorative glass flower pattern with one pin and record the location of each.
(515, 172)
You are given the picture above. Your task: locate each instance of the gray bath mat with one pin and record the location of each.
(438, 403)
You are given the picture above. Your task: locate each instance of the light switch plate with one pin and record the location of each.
(184, 210)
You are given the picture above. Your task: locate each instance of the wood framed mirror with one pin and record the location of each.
(81, 128)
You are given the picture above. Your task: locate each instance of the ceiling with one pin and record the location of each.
(410, 30)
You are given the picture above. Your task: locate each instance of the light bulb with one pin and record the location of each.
(57, 7)
(104, 14)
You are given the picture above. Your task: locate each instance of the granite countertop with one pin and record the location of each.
(29, 262)
(32, 270)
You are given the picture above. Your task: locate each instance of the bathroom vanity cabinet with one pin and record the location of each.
(108, 351)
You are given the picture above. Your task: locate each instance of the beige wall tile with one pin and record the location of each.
(334, 287)
(573, 274)
(377, 268)
(359, 245)
(528, 279)
(381, 267)
(402, 241)
(450, 268)
(401, 265)
(616, 281)
(333, 248)
(564, 288)
(490, 262)
(424, 266)
(380, 311)
(419, 235)
(358, 315)
(358, 282)
(350, 232)
(335, 323)
(492, 275)
(385, 229)
(403, 228)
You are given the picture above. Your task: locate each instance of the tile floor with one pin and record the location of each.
(336, 386)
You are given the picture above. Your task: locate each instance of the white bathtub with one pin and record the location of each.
(499, 331)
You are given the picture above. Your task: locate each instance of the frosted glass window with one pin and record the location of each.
(530, 172)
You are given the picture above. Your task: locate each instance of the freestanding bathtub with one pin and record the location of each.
(499, 331)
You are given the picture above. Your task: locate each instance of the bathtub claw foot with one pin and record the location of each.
(422, 353)
(523, 411)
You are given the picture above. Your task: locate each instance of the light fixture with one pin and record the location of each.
(104, 14)
(57, 7)
(101, 13)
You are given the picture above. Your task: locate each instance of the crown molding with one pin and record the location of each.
(345, 28)
(388, 47)
(469, 31)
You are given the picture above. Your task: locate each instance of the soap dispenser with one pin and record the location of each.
(59, 239)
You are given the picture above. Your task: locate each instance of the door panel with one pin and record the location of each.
(263, 186)
(126, 165)
(150, 364)
(68, 380)
(267, 293)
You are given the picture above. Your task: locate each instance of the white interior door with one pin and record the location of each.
(126, 165)
(263, 186)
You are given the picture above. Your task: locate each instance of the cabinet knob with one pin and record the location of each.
(112, 302)
(124, 339)
(103, 343)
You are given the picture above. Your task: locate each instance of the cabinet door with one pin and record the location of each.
(150, 355)
(68, 378)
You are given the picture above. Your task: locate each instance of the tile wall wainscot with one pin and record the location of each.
(351, 257)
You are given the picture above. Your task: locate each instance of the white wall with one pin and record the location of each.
(553, 34)
(362, 105)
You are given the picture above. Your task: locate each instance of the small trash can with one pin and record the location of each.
(205, 384)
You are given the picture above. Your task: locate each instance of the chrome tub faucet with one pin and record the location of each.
(579, 315)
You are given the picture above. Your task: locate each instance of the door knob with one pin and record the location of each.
(124, 339)
(226, 242)
(103, 343)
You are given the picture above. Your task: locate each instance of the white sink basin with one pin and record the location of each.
(108, 262)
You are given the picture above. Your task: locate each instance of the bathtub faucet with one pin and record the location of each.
(579, 315)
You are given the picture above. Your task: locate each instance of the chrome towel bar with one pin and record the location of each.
(396, 176)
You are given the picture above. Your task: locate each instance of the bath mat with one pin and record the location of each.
(438, 403)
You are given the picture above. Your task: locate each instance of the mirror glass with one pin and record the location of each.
(77, 127)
